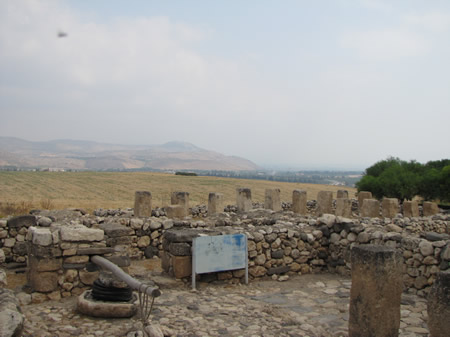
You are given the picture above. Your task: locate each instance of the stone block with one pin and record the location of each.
(410, 209)
(95, 251)
(389, 207)
(215, 203)
(47, 264)
(324, 203)
(44, 282)
(299, 200)
(41, 236)
(377, 284)
(181, 266)
(439, 306)
(114, 230)
(20, 221)
(77, 259)
(180, 249)
(81, 233)
(430, 208)
(41, 251)
(362, 195)
(370, 208)
(142, 204)
(342, 194)
(87, 277)
(175, 211)
(278, 270)
(244, 199)
(343, 207)
(121, 240)
(272, 199)
(181, 199)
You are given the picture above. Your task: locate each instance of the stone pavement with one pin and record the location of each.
(307, 305)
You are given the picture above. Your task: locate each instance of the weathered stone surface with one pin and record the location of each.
(370, 208)
(41, 236)
(299, 200)
(244, 199)
(180, 249)
(410, 209)
(389, 207)
(375, 292)
(343, 207)
(46, 264)
(44, 282)
(362, 195)
(143, 241)
(95, 251)
(77, 259)
(87, 277)
(182, 266)
(272, 199)
(11, 318)
(439, 306)
(430, 208)
(426, 248)
(175, 211)
(324, 202)
(181, 199)
(142, 204)
(89, 307)
(215, 203)
(114, 230)
(22, 221)
(278, 270)
(81, 233)
(257, 271)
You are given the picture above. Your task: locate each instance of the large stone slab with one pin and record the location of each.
(81, 233)
(22, 221)
(114, 230)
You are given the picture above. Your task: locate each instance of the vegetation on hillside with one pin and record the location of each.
(401, 179)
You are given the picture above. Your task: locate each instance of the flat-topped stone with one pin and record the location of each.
(114, 230)
(81, 233)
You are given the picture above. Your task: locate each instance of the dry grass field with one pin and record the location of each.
(21, 191)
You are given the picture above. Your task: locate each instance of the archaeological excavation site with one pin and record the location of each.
(334, 266)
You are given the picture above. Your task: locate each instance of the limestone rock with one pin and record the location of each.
(11, 317)
(81, 233)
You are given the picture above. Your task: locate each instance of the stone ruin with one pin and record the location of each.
(298, 237)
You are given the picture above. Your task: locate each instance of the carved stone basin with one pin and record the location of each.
(91, 307)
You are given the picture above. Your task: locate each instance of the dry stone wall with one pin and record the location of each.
(58, 245)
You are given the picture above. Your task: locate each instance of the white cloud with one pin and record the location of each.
(436, 22)
(386, 44)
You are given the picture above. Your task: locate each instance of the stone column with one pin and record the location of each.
(363, 195)
(410, 209)
(389, 207)
(376, 291)
(324, 203)
(142, 204)
(244, 199)
(342, 194)
(439, 306)
(272, 199)
(370, 208)
(215, 203)
(181, 199)
(299, 199)
(344, 207)
(430, 208)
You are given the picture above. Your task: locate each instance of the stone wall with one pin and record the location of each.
(58, 245)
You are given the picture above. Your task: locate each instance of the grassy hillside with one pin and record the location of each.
(91, 190)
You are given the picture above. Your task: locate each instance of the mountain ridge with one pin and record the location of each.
(91, 155)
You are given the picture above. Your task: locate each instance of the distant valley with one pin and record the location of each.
(86, 155)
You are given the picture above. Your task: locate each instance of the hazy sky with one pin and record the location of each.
(305, 84)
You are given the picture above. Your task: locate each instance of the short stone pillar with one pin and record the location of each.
(344, 207)
(370, 208)
(376, 291)
(142, 204)
(324, 202)
(410, 209)
(272, 199)
(342, 194)
(439, 306)
(430, 208)
(181, 199)
(299, 200)
(215, 203)
(389, 207)
(244, 199)
(363, 195)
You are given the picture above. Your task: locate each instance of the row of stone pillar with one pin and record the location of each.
(376, 290)
(368, 207)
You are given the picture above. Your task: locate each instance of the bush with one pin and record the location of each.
(191, 174)
(395, 178)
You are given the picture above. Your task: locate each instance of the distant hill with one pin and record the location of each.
(87, 155)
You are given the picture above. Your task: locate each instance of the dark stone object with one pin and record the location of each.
(439, 306)
(278, 270)
(278, 254)
(151, 251)
(20, 248)
(102, 292)
(95, 251)
(22, 221)
(114, 230)
(180, 249)
(432, 236)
